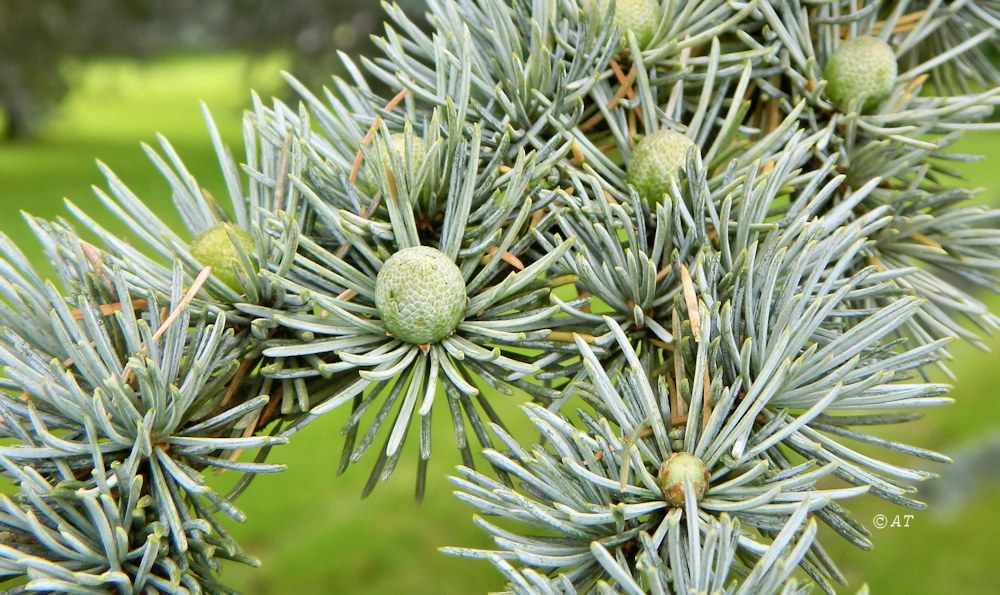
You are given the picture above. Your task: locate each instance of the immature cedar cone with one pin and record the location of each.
(656, 160)
(862, 67)
(638, 16)
(679, 467)
(420, 293)
(396, 149)
(214, 247)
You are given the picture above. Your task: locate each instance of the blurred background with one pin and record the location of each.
(92, 79)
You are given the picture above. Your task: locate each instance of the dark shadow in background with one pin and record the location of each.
(38, 37)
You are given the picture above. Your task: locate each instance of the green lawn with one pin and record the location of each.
(310, 528)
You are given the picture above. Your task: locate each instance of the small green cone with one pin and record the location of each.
(213, 247)
(397, 150)
(656, 160)
(861, 67)
(677, 469)
(638, 16)
(421, 295)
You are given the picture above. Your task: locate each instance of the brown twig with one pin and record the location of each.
(185, 301)
(910, 90)
(625, 89)
(536, 218)
(260, 421)
(926, 241)
(279, 179)
(773, 116)
(109, 309)
(241, 373)
(578, 158)
(173, 316)
(628, 81)
(691, 300)
(360, 157)
(904, 24)
(661, 344)
(506, 257)
(568, 337)
(93, 256)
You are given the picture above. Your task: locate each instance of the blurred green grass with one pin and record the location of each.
(310, 528)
